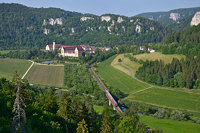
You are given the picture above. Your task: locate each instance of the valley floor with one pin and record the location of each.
(121, 75)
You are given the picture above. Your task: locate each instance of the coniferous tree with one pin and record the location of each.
(19, 119)
(51, 104)
(82, 127)
(106, 125)
(65, 109)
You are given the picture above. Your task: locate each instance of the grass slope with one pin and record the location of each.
(168, 98)
(162, 97)
(9, 66)
(170, 126)
(158, 56)
(118, 79)
(98, 109)
(46, 75)
(7, 51)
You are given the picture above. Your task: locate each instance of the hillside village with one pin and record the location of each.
(74, 51)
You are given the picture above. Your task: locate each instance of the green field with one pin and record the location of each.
(168, 98)
(118, 79)
(162, 97)
(9, 66)
(170, 126)
(46, 75)
(98, 109)
(158, 56)
(7, 51)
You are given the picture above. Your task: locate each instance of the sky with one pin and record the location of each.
(120, 7)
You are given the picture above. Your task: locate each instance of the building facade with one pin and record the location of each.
(72, 51)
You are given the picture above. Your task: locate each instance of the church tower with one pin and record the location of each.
(54, 45)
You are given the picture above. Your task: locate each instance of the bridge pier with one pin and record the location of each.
(109, 102)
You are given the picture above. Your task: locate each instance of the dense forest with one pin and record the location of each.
(23, 27)
(184, 42)
(79, 80)
(47, 110)
(164, 17)
(179, 73)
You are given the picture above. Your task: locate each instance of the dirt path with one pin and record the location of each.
(27, 70)
(132, 75)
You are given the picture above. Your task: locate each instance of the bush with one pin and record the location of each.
(161, 113)
(119, 60)
(177, 115)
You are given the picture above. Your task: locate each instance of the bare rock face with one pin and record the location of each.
(131, 20)
(120, 20)
(86, 18)
(138, 28)
(109, 28)
(174, 16)
(46, 31)
(152, 28)
(123, 28)
(51, 21)
(72, 30)
(105, 18)
(195, 19)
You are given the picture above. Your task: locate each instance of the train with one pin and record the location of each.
(111, 98)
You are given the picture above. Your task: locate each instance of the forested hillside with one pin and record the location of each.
(24, 27)
(42, 110)
(171, 16)
(178, 73)
(183, 42)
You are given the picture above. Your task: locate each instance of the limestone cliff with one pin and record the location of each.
(195, 19)
(105, 18)
(86, 18)
(174, 16)
(51, 21)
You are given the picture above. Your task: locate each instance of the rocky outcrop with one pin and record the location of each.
(120, 20)
(46, 31)
(131, 20)
(123, 28)
(86, 18)
(138, 28)
(105, 18)
(195, 19)
(72, 30)
(152, 28)
(51, 21)
(174, 16)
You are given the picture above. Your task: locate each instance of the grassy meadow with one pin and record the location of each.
(170, 126)
(7, 51)
(117, 76)
(9, 66)
(118, 79)
(168, 98)
(98, 109)
(158, 56)
(46, 75)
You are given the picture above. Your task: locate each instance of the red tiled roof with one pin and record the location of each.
(57, 46)
(50, 46)
(85, 46)
(79, 48)
(101, 48)
(69, 49)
